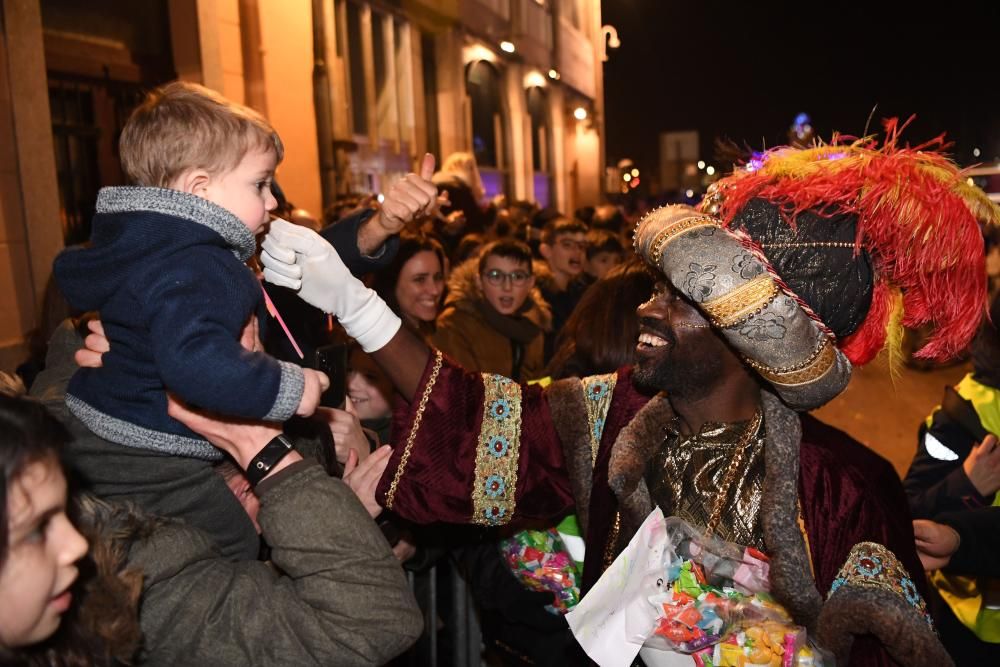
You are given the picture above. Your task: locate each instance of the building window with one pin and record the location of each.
(430, 93)
(488, 125)
(484, 96)
(541, 147)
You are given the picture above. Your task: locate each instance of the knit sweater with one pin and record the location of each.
(166, 272)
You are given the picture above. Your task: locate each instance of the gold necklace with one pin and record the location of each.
(734, 467)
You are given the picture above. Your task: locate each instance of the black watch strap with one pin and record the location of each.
(267, 458)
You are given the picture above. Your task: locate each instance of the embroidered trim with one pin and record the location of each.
(871, 565)
(495, 482)
(742, 303)
(667, 235)
(815, 367)
(597, 392)
(391, 495)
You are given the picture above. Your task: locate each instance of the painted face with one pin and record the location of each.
(505, 283)
(368, 388)
(43, 548)
(567, 253)
(245, 191)
(419, 288)
(602, 262)
(678, 351)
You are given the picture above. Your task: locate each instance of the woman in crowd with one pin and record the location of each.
(414, 283)
(601, 334)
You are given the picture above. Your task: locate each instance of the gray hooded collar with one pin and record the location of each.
(182, 205)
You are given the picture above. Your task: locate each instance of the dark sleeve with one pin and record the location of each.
(934, 485)
(475, 448)
(343, 236)
(979, 551)
(195, 312)
(336, 595)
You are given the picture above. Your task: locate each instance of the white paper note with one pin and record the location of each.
(598, 621)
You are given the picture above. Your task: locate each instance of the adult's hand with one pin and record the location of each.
(982, 466)
(241, 439)
(96, 343)
(348, 435)
(94, 346)
(936, 543)
(363, 477)
(409, 198)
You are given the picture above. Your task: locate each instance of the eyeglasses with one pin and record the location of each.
(497, 277)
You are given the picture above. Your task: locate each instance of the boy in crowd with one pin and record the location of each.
(166, 271)
(494, 319)
(604, 252)
(564, 247)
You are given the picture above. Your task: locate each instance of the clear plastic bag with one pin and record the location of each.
(711, 599)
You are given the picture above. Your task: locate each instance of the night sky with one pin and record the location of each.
(742, 70)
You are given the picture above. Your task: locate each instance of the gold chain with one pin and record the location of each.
(734, 467)
(389, 497)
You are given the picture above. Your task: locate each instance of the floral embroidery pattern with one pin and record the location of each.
(700, 281)
(871, 565)
(597, 392)
(764, 327)
(498, 446)
(747, 266)
(495, 484)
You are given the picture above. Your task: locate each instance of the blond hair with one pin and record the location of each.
(182, 126)
(463, 166)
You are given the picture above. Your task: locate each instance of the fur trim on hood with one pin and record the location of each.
(463, 293)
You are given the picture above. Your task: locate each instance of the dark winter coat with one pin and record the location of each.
(166, 271)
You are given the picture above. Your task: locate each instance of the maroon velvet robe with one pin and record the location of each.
(454, 469)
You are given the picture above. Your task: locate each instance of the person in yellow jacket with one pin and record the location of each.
(956, 472)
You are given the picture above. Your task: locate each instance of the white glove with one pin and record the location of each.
(302, 260)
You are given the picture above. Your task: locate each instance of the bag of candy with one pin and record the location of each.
(712, 602)
(541, 562)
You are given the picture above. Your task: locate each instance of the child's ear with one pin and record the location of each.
(545, 250)
(193, 182)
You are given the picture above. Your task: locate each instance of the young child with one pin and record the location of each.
(166, 271)
(564, 247)
(494, 318)
(604, 252)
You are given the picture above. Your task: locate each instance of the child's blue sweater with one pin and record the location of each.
(166, 272)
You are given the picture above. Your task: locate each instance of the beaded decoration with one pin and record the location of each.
(495, 481)
(597, 391)
(871, 565)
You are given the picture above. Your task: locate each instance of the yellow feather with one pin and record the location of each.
(894, 337)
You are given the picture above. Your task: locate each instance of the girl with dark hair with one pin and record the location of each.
(414, 283)
(600, 336)
(39, 545)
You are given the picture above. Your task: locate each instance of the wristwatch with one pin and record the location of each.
(267, 458)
